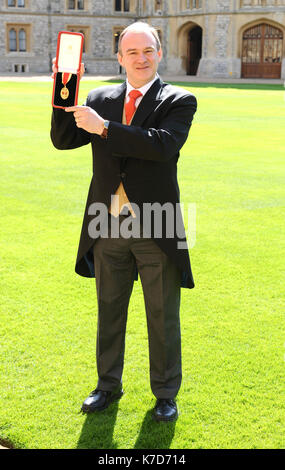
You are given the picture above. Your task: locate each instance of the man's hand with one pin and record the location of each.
(54, 69)
(87, 119)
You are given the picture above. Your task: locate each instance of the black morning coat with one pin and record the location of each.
(143, 156)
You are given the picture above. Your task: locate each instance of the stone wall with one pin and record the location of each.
(221, 21)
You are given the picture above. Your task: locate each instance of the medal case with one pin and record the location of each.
(68, 62)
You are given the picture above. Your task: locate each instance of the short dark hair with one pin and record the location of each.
(140, 26)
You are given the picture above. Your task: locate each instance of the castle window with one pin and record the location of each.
(191, 4)
(22, 40)
(18, 38)
(16, 3)
(12, 40)
(75, 5)
(122, 5)
(260, 3)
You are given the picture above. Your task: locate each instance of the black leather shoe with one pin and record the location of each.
(165, 410)
(99, 400)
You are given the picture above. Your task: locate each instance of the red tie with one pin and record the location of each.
(130, 105)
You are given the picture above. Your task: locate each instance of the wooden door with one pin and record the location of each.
(262, 52)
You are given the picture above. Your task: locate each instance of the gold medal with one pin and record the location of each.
(64, 92)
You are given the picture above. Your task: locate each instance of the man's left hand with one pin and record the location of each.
(87, 119)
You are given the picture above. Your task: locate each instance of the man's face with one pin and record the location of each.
(140, 57)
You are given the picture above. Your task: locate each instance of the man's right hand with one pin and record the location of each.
(54, 69)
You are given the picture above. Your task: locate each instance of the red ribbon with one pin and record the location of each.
(65, 78)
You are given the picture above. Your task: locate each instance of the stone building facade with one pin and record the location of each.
(207, 38)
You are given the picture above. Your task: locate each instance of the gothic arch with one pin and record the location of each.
(256, 22)
(182, 41)
(261, 49)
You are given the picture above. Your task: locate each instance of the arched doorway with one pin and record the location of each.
(194, 50)
(262, 52)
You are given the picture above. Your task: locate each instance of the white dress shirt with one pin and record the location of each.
(143, 90)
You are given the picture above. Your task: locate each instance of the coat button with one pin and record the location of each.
(123, 175)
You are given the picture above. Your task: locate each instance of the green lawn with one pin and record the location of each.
(233, 341)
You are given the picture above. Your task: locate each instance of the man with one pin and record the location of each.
(136, 130)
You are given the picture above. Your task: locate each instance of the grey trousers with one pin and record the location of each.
(115, 262)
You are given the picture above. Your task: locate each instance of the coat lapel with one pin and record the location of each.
(148, 104)
(113, 104)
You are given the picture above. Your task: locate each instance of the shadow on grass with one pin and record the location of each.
(97, 431)
(98, 428)
(155, 435)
